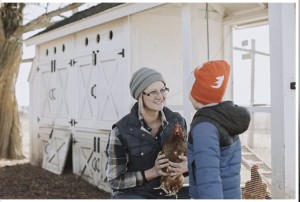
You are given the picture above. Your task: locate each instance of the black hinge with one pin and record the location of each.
(38, 119)
(73, 122)
(72, 62)
(37, 69)
(122, 52)
(74, 141)
(293, 85)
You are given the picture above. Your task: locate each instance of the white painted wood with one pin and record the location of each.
(46, 85)
(62, 92)
(43, 137)
(55, 91)
(250, 17)
(111, 87)
(283, 127)
(100, 89)
(85, 109)
(227, 55)
(186, 29)
(89, 158)
(56, 151)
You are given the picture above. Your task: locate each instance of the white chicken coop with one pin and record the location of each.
(79, 80)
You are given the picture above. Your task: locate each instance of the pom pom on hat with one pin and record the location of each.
(142, 78)
(210, 82)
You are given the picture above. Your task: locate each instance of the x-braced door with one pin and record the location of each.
(56, 151)
(112, 89)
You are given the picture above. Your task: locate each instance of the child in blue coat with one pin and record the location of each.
(214, 147)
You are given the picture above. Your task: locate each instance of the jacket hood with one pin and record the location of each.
(233, 118)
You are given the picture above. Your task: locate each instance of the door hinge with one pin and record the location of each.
(293, 85)
(74, 141)
(73, 122)
(72, 62)
(122, 52)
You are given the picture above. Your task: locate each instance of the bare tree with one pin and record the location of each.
(11, 32)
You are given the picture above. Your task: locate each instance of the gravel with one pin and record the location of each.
(25, 181)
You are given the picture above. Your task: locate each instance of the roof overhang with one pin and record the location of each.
(100, 18)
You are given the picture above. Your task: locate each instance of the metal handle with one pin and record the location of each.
(92, 91)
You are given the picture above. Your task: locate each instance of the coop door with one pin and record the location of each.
(85, 90)
(56, 151)
(112, 89)
(62, 92)
(46, 85)
(86, 157)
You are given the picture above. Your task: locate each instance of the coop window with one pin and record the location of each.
(98, 38)
(86, 41)
(111, 35)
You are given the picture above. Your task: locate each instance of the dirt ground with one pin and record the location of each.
(24, 181)
(20, 180)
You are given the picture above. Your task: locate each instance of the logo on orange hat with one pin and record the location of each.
(219, 81)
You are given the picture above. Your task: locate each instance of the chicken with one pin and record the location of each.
(255, 188)
(173, 148)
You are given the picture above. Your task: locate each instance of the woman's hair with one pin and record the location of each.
(141, 104)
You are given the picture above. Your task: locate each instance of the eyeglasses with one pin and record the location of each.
(154, 94)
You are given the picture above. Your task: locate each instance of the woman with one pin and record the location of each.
(134, 160)
(214, 147)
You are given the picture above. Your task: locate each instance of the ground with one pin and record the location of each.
(24, 181)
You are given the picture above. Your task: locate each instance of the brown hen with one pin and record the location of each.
(255, 188)
(173, 148)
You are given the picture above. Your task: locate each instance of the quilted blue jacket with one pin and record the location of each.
(214, 151)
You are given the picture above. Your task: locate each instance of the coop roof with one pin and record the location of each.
(88, 18)
(80, 15)
(105, 12)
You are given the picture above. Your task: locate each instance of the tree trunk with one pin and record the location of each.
(10, 138)
(10, 57)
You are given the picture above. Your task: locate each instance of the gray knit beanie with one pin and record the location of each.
(142, 78)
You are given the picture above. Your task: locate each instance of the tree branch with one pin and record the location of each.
(44, 20)
(2, 34)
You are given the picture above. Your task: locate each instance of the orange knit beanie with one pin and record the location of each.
(210, 82)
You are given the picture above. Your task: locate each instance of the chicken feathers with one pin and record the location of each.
(255, 188)
(173, 148)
